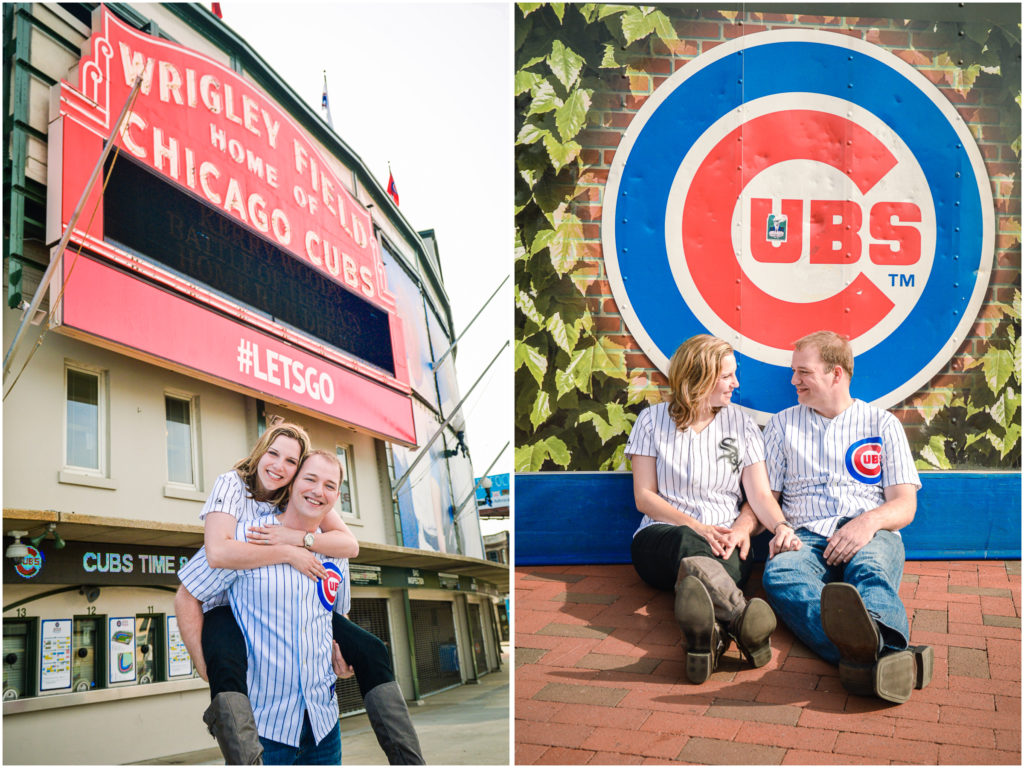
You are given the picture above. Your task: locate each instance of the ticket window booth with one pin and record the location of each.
(149, 661)
(88, 653)
(20, 641)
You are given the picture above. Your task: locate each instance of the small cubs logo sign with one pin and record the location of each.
(792, 181)
(864, 460)
(31, 564)
(327, 588)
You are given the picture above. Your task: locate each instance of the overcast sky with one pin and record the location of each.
(426, 87)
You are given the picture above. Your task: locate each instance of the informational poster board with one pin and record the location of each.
(179, 662)
(55, 655)
(122, 650)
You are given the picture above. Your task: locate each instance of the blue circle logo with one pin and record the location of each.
(327, 588)
(864, 460)
(31, 564)
(792, 181)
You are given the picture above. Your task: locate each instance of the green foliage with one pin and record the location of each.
(575, 397)
(979, 426)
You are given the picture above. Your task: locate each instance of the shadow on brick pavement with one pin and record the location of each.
(600, 679)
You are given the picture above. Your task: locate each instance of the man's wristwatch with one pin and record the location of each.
(779, 525)
(307, 541)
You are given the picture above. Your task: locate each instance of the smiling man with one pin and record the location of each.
(286, 620)
(848, 484)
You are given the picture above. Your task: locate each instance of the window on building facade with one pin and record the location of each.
(346, 497)
(85, 420)
(86, 651)
(19, 644)
(181, 440)
(149, 648)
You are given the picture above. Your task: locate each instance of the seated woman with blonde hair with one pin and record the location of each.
(693, 457)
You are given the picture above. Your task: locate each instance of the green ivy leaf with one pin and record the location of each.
(528, 8)
(998, 365)
(531, 457)
(544, 99)
(572, 115)
(541, 241)
(661, 24)
(541, 409)
(564, 383)
(610, 10)
(610, 59)
(565, 335)
(565, 63)
(525, 81)
(527, 306)
(617, 461)
(636, 24)
(935, 453)
(604, 430)
(1010, 441)
(531, 357)
(559, 9)
(610, 359)
(561, 154)
(530, 134)
(565, 247)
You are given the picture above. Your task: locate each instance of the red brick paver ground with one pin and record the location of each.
(600, 679)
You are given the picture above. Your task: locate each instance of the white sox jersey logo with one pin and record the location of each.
(795, 180)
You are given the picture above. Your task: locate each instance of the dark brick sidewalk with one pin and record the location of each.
(600, 679)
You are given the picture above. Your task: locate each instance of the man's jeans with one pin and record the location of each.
(327, 752)
(794, 580)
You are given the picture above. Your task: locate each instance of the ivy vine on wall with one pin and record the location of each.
(573, 389)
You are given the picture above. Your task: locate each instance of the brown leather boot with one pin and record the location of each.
(749, 623)
(705, 640)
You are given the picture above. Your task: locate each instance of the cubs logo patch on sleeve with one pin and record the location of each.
(327, 588)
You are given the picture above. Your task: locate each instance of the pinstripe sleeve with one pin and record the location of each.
(775, 456)
(753, 442)
(202, 581)
(641, 439)
(344, 602)
(898, 462)
(228, 495)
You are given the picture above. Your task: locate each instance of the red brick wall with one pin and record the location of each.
(914, 41)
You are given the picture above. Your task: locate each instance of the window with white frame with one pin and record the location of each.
(85, 420)
(181, 439)
(346, 496)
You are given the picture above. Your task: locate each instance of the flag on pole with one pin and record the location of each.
(325, 104)
(216, 10)
(392, 189)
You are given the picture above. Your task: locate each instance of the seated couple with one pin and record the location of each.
(847, 483)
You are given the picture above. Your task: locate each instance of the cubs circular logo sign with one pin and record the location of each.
(864, 460)
(327, 587)
(793, 181)
(31, 564)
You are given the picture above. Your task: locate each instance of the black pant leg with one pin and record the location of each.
(224, 651)
(657, 550)
(365, 652)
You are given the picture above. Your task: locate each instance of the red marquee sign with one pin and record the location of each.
(204, 129)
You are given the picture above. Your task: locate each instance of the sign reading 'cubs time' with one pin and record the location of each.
(793, 181)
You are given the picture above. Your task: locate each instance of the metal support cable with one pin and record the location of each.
(434, 366)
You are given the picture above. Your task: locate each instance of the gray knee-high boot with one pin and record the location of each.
(389, 717)
(229, 718)
(749, 622)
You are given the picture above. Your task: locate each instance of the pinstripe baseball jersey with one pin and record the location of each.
(230, 495)
(286, 620)
(830, 469)
(698, 472)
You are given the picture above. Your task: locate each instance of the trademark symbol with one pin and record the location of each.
(905, 281)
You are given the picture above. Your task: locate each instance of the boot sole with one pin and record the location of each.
(924, 664)
(895, 676)
(695, 615)
(848, 624)
(754, 637)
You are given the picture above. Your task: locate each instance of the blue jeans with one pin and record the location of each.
(327, 752)
(794, 580)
